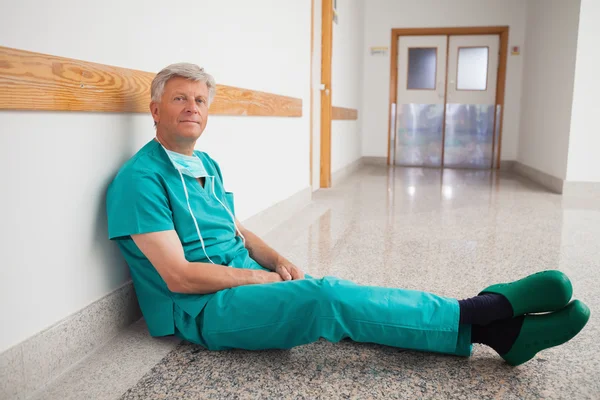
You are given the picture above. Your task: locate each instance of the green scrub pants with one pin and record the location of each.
(292, 313)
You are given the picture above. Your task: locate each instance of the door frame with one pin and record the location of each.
(502, 31)
(326, 91)
(325, 77)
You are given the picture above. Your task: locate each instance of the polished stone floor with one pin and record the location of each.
(451, 232)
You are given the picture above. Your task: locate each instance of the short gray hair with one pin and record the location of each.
(183, 70)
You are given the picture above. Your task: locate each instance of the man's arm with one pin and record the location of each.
(165, 252)
(268, 257)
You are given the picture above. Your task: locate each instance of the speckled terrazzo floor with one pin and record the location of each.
(452, 233)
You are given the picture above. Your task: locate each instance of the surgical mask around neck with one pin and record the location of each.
(188, 165)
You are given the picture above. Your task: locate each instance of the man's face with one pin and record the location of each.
(182, 113)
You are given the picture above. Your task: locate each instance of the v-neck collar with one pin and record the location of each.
(206, 190)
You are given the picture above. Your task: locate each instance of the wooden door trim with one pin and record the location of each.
(502, 31)
(501, 89)
(326, 52)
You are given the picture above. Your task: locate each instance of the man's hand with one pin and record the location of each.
(287, 270)
(261, 277)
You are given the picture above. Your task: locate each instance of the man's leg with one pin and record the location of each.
(287, 314)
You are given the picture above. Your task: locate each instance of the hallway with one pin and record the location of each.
(452, 233)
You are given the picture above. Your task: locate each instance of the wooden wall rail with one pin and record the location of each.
(339, 113)
(33, 81)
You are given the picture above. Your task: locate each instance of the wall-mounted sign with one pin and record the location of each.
(379, 51)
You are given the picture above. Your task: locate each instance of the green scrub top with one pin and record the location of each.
(147, 195)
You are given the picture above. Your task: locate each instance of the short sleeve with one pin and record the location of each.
(137, 203)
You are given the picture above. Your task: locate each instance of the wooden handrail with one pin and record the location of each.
(34, 81)
(341, 113)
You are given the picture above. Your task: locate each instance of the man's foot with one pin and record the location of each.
(540, 332)
(544, 291)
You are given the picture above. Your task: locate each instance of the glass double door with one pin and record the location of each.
(446, 112)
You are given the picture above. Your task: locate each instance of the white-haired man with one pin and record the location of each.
(200, 275)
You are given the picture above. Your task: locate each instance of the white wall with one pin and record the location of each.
(583, 162)
(346, 85)
(548, 75)
(55, 167)
(381, 16)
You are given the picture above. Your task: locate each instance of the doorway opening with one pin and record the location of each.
(446, 97)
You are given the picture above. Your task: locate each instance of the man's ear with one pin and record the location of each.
(154, 112)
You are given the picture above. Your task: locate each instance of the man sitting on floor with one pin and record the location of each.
(200, 275)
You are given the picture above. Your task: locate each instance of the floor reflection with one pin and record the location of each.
(454, 232)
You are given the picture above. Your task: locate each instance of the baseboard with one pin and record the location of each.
(507, 165)
(338, 176)
(546, 180)
(370, 160)
(31, 364)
